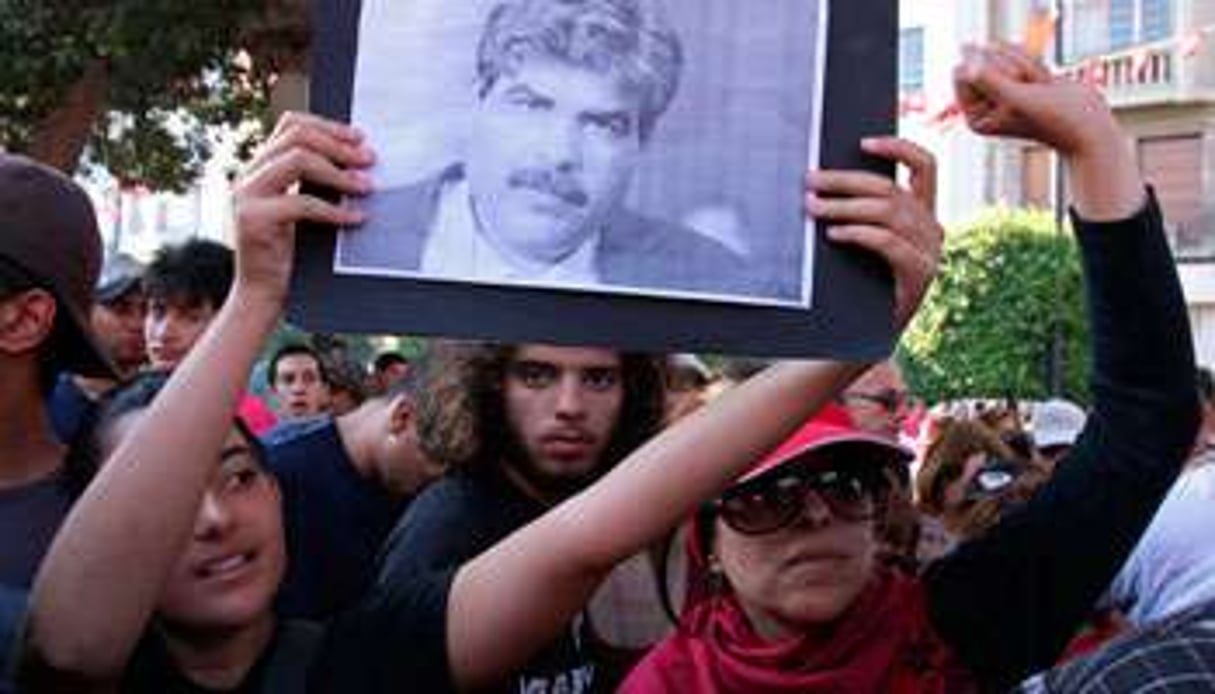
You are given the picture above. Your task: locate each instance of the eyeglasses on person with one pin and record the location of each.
(776, 499)
(891, 400)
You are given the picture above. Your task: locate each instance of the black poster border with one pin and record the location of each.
(850, 318)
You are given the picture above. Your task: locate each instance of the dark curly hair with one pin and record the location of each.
(462, 418)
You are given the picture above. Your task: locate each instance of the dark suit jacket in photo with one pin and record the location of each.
(634, 251)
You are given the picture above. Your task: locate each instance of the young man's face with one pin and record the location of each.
(563, 404)
(231, 569)
(172, 327)
(299, 386)
(119, 325)
(552, 150)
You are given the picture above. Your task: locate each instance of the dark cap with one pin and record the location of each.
(119, 275)
(48, 229)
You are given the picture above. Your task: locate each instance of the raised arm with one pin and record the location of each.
(1009, 601)
(509, 601)
(103, 575)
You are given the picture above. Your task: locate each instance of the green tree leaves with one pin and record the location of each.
(988, 325)
(166, 73)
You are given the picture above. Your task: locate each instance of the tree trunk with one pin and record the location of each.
(60, 138)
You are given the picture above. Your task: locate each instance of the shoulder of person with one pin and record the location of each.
(446, 525)
(447, 500)
(291, 440)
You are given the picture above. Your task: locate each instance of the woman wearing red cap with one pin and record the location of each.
(794, 600)
(806, 608)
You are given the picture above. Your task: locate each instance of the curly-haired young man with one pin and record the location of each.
(522, 428)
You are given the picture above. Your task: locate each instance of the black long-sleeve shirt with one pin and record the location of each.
(1008, 602)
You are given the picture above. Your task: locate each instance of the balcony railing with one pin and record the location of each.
(1145, 75)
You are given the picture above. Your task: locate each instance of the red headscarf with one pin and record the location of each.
(883, 643)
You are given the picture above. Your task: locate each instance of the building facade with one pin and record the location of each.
(1155, 61)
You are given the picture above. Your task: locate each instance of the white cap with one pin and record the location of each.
(1057, 423)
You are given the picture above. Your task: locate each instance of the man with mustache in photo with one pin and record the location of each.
(568, 97)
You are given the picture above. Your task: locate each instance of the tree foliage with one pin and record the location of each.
(137, 85)
(987, 328)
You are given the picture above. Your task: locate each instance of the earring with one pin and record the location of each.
(715, 576)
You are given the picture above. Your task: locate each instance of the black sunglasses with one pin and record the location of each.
(775, 500)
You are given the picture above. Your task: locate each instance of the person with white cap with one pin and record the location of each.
(1055, 424)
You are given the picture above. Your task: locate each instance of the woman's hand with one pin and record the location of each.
(1002, 91)
(268, 202)
(878, 214)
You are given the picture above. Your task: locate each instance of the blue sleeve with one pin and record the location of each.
(1009, 601)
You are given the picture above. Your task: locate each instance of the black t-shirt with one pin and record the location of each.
(396, 639)
(282, 669)
(335, 521)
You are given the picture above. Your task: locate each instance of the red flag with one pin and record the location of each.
(946, 118)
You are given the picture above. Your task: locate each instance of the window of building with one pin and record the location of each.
(1122, 23)
(1093, 27)
(1139, 21)
(911, 60)
(1173, 165)
(1156, 22)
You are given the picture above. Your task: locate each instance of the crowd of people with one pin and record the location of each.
(551, 518)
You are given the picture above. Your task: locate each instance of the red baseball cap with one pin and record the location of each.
(830, 426)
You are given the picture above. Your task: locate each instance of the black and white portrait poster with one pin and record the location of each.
(619, 145)
(627, 172)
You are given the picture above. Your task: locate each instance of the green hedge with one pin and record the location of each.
(986, 329)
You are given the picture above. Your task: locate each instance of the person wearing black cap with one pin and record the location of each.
(50, 254)
(50, 257)
(117, 320)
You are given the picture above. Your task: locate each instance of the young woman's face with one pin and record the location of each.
(805, 573)
(231, 569)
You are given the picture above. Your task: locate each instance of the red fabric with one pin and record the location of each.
(255, 414)
(829, 426)
(884, 643)
(1098, 631)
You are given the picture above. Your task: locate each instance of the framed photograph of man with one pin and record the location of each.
(625, 172)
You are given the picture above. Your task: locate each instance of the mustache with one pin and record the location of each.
(545, 181)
